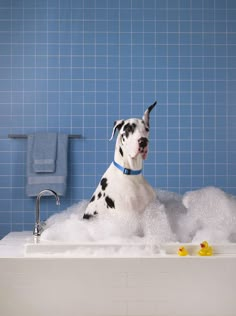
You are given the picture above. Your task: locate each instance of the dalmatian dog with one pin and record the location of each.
(123, 188)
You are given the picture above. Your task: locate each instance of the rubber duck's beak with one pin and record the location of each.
(202, 245)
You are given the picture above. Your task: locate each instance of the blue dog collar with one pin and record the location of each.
(125, 170)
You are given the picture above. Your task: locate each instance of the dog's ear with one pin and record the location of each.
(147, 112)
(117, 125)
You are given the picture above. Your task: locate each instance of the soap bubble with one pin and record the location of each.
(211, 215)
(156, 227)
(205, 214)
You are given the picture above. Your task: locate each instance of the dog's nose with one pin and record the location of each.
(143, 142)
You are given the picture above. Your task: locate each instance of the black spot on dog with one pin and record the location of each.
(92, 199)
(99, 195)
(110, 202)
(104, 183)
(121, 152)
(129, 128)
(87, 216)
(95, 213)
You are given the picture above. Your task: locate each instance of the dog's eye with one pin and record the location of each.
(122, 137)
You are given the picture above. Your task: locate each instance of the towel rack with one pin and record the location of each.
(23, 136)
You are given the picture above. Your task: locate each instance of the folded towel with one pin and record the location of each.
(44, 152)
(56, 181)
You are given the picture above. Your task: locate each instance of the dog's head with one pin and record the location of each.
(133, 135)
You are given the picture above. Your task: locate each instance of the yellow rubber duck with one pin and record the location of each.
(182, 251)
(205, 250)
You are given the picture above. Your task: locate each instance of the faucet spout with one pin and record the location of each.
(38, 228)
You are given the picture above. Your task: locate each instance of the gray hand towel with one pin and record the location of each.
(56, 181)
(44, 152)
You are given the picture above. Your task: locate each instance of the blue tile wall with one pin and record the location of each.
(75, 66)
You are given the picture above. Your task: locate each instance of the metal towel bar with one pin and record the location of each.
(23, 136)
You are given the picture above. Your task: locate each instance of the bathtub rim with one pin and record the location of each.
(14, 243)
(65, 249)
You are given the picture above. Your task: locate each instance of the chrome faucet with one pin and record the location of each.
(38, 227)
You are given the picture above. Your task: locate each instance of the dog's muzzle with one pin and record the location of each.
(143, 146)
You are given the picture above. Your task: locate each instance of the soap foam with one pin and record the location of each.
(211, 215)
(68, 226)
(208, 213)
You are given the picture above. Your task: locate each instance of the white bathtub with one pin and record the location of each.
(159, 285)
